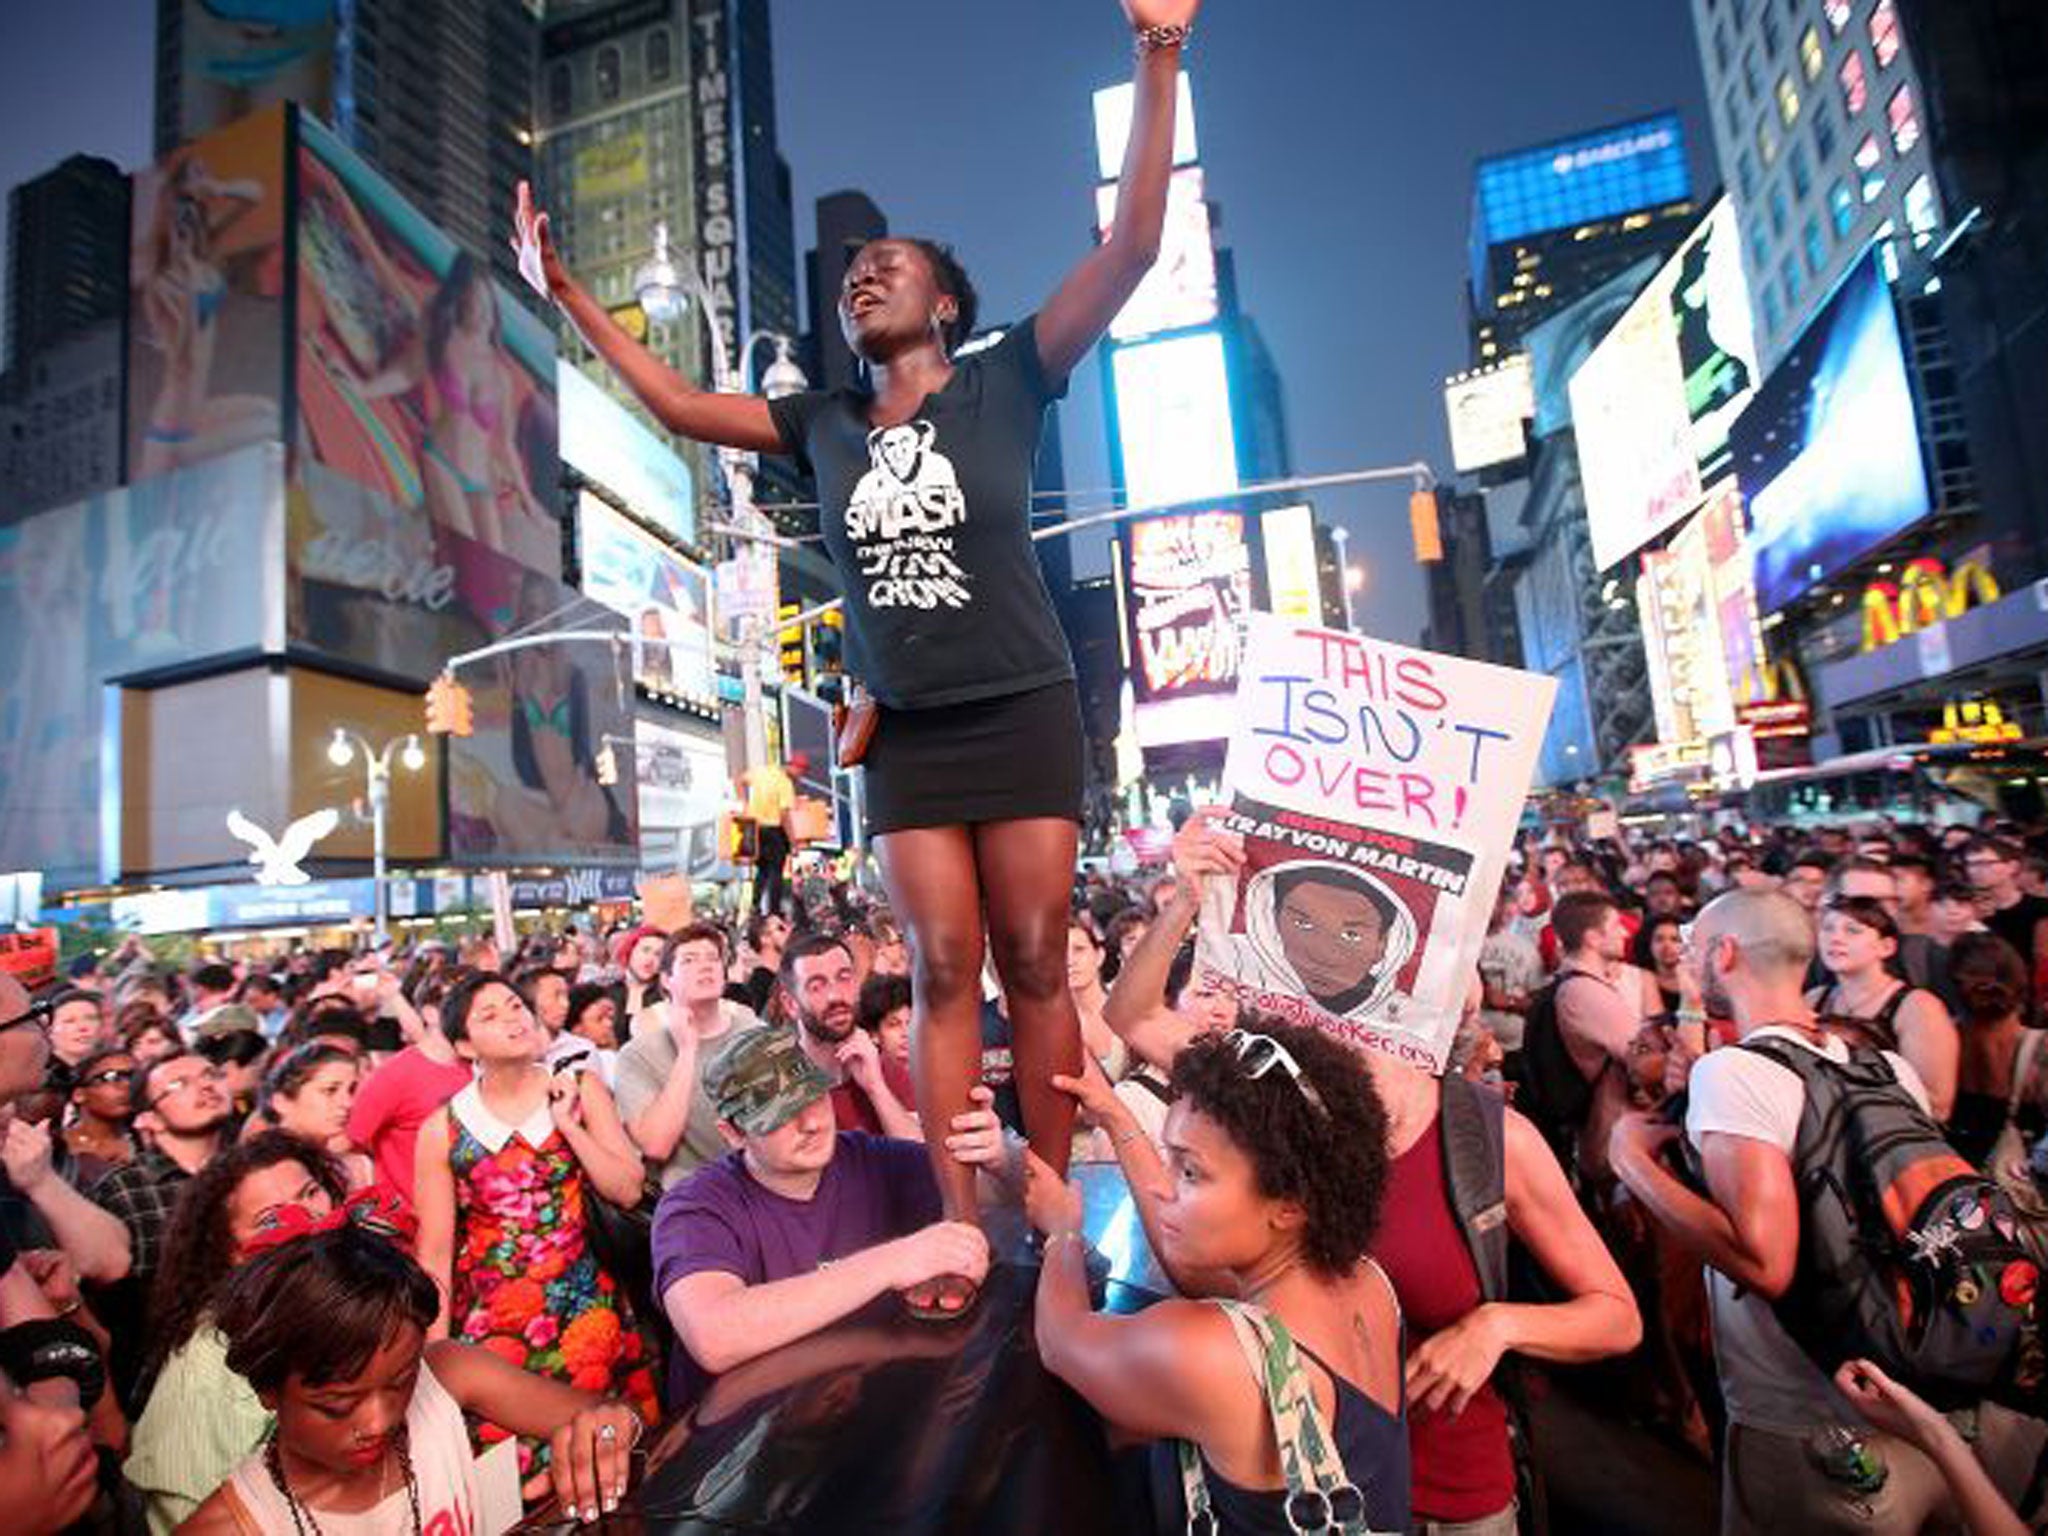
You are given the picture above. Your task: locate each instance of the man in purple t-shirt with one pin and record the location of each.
(801, 1224)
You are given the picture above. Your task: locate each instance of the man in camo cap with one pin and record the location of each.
(800, 1224)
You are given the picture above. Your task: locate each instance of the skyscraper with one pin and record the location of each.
(1552, 222)
(67, 254)
(1820, 119)
(846, 222)
(662, 112)
(437, 94)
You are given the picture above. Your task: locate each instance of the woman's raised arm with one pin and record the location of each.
(730, 421)
(1075, 317)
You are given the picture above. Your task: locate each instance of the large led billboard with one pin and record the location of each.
(1113, 108)
(1173, 419)
(1489, 410)
(1186, 586)
(1829, 451)
(206, 280)
(1180, 290)
(1294, 583)
(1653, 401)
(683, 791)
(1560, 344)
(418, 377)
(605, 442)
(665, 599)
(237, 58)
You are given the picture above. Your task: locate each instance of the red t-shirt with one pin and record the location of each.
(853, 1110)
(392, 1105)
(1460, 1468)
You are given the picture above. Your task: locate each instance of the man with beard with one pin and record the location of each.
(1752, 949)
(869, 1094)
(181, 1107)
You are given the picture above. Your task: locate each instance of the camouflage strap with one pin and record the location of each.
(1320, 1497)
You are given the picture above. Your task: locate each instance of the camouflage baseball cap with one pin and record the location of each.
(759, 1078)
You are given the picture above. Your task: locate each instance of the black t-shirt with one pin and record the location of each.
(2015, 924)
(929, 524)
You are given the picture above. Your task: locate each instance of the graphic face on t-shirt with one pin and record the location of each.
(901, 518)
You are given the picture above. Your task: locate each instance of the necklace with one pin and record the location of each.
(303, 1522)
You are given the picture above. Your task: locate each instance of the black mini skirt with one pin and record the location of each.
(1003, 759)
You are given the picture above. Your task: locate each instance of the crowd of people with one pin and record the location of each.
(284, 1240)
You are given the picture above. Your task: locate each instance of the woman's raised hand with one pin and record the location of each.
(538, 263)
(1161, 13)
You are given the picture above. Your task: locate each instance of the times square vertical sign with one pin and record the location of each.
(717, 196)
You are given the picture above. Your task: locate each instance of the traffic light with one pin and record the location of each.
(1429, 543)
(451, 709)
(824, 641)
(790, 638)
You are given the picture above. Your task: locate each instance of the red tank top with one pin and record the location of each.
(1462, 1467)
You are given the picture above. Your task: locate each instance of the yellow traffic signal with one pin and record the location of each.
(451, 709)
(1422, 524)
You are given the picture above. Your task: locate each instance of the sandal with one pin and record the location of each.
(946, 1299)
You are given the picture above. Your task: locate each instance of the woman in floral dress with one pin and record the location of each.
(502, 1176)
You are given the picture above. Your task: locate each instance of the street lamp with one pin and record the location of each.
(664, 287)
(1341, 537)
(342, 748)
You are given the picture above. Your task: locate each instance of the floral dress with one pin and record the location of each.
(527, 1286)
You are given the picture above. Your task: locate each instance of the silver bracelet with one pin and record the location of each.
(1156, 39)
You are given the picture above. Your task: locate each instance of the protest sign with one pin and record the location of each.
(1377, 790)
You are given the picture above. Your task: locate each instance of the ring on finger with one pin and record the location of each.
(607, 1432)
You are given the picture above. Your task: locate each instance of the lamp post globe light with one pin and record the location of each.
(664, 287)
(342, 748)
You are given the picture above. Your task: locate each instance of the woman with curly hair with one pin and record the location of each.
(1276, 1167)
(201, 1418)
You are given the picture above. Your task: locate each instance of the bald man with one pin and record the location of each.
(1751, 949)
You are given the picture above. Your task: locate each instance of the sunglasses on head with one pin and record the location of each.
(238, 1049)
(38, 1014)
(1259, 1054)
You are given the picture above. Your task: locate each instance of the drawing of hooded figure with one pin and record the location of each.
(1330, 933)
(910, 487)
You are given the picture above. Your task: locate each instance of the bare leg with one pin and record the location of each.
(1027, 874)
(931, 879)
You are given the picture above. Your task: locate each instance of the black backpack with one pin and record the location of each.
(1908, 1256)
(1549, 1087)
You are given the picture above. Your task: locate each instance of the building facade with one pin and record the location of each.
(67, 254)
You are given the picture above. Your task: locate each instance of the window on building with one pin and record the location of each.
(1751, 73)
(1745, 175)
(1816, 248)
(1855, 88)
(1838, 13)
(1842, 209)
(1774, 312)
(661, 61)
(561, 91)
(1922, 218)
(1824, 132)
(1788, 279)
(1904, 118)
(1759, 251)
(1788, 100)
(1767, 143)
(1887, 250)
(1870, 161)
(1724, 50)
(1801, 169)
(1884, 34)
(1781, 210)
(607, 74)
(1811, 58)
(1774, 40)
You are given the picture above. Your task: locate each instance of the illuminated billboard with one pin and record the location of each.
(418, 377)
(235, 59)
(1489, 410)
(683, 790)
(605, 442)
(1173, 419)
(1653, 402)
(1113, 127)
(1185, 588)
(1829, 451)
(1294, 585)
(1560, 344)
(1180, 290)
(1635, 443)
(664, 598)
(206, 351)
(1681, 615)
